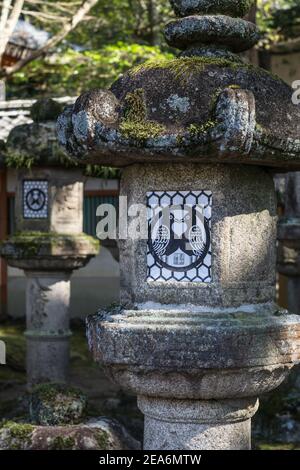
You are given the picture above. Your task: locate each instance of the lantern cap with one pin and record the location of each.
(35, 143)
(207, 105)
(235, 8)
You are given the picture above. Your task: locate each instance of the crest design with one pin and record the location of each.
(179, 239)
(35, 199)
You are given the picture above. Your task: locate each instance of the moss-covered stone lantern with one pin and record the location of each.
(197, 336)
(48, 243)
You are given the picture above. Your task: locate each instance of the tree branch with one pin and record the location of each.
(86, 6)
(10, 25)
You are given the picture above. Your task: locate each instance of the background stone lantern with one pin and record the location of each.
(197, 336)
(48, 243)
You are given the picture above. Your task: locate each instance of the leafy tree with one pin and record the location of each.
(71, 72)
(279, 20)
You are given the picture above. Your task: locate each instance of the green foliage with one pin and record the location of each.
(72, 72)
(18, 160)
(97, 171)
(278, 19)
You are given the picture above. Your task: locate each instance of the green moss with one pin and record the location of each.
(19, 434)
(30, 243)
(48, 392)
(141, 130)
(135, 124)
(135, 107)
(102, 440)
(18, 430)
(282, 446)
(234, 87)
(197, 130)
(184, 67)
(62, 443)
(97, 171)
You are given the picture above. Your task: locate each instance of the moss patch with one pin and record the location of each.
(135, 124)
(197, 130)
(102, 440)
(17, 435)
(183, 68)
(267, 446)
(29, 244)
(53, 404)
(62, 443)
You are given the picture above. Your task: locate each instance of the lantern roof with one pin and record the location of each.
(206, 105)
(35, 143)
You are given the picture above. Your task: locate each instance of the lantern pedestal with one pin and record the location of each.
(48, 330)
(48, 260)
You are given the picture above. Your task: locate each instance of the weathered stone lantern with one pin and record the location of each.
(48, 243)
(197, 335)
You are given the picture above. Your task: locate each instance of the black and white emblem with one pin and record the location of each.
(35, 199)
(179, 225)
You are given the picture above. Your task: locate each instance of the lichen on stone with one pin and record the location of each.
(55, 404)
(135, 125)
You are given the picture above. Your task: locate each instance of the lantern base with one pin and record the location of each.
(197, 425)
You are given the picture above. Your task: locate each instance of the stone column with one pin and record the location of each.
(289, 241)
(48, 329)
(194, 425)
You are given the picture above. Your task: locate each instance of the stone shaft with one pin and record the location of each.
(47, 321)
(195, 425)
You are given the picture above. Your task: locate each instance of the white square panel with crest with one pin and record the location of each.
(179, 236)
(35, 199)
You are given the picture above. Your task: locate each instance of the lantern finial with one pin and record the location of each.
(211, 27)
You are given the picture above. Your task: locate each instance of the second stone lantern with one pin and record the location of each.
(48, 243)
(197, 336)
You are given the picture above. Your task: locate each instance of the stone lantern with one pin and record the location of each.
(48, 244)
(197, 336)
